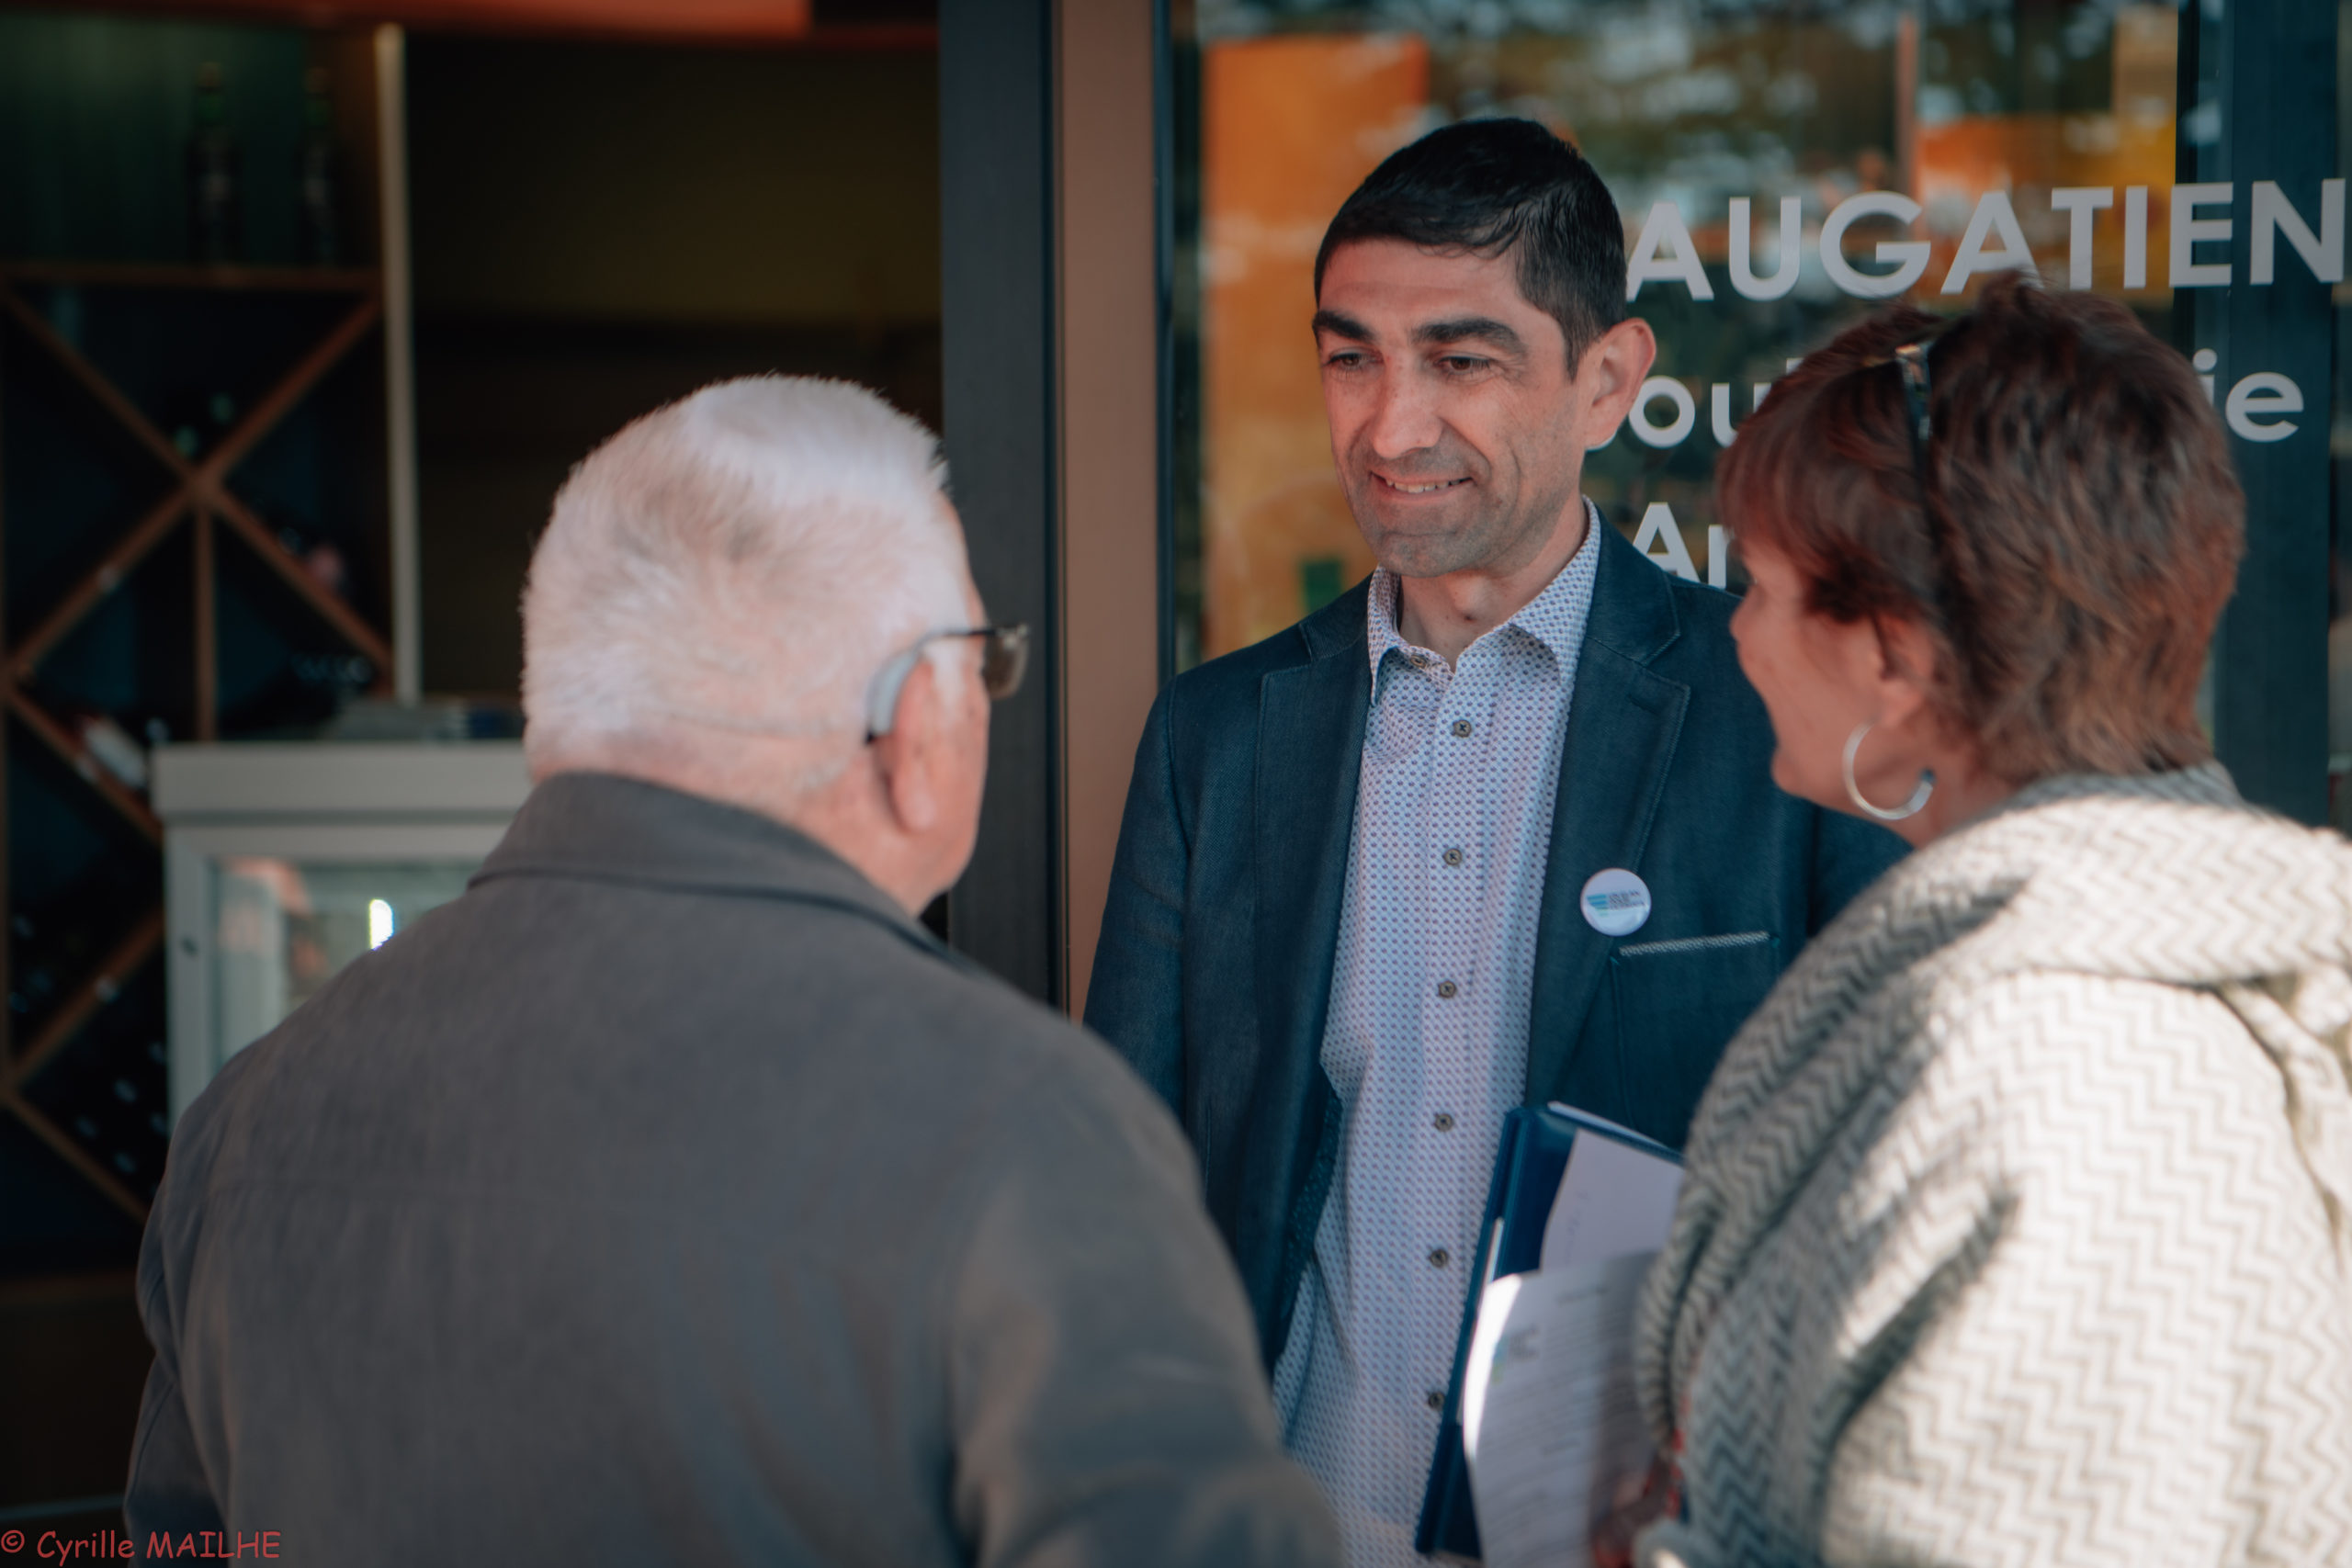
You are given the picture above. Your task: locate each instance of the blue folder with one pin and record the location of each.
(1527, 1167)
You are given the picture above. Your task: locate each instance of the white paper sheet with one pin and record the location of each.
(1613, 1199)
(1549, 1416)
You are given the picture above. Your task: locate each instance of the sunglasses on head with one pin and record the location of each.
(1911, 356)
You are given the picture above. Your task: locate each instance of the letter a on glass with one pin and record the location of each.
(1645, 265)
(1994, 215)
(1658, 528)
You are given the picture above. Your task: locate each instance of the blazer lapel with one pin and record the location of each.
(1623, 722)
(1310, 750)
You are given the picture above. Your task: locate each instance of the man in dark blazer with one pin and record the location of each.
(1496, 828)
(673, 1196)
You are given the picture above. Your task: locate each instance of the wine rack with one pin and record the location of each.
(79, 1070)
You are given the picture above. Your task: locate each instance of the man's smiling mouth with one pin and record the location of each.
(1420, 488)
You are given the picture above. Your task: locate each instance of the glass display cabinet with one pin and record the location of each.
(284, 862)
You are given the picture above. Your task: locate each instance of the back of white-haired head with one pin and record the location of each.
(743, 560)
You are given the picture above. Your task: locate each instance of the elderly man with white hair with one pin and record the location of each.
(673, 1196)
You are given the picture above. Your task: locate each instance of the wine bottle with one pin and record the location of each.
(215, 215)
(315, 174)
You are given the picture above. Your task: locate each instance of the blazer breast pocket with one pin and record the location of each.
(1678, 1003)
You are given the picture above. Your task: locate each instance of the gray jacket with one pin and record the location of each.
(671, 1196)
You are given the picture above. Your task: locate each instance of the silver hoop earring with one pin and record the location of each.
(1854, 792)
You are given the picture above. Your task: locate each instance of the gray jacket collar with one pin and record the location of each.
(609, 828)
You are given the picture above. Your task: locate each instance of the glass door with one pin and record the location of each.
(1782, 170)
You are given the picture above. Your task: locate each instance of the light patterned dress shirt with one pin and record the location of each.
(1427, 1038)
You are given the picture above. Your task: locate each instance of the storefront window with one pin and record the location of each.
(1782, 170)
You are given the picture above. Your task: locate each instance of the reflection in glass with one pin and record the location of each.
(282, 928)
(1959, 138)
(1781, 170)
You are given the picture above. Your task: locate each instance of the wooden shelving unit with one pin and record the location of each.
(199, 494)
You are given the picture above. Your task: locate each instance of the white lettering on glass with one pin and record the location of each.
(2189, 231)
(1719, 408)
(1784, 271)
(1645, 265)
(1686, 412)
(2078, 202)
(2135, 236)
(1718, 557)
(1909, 257)
(1994, 240)
(1657, 527)
(2262, 393)
(2204, 360)
(1993, 216)
(2273, 215)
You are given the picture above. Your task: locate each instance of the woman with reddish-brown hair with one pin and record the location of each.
(2017, 1223)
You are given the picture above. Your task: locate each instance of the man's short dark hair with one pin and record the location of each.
(1488, 186)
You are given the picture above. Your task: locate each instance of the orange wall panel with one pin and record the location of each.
(1289, 126)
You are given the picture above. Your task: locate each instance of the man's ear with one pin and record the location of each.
(1609, 377)
(909, 759)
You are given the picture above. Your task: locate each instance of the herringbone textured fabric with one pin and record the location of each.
(2017, 1227)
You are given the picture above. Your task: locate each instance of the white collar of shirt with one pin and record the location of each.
(1555, 617)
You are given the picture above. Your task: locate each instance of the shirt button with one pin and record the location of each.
(1435, 1399)
(1440, 1257)
(1451, 857)
(1442, 1120)
(1462, 728)
(1447, 990)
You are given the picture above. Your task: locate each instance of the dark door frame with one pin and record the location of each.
(997, 293)
(2270, 66)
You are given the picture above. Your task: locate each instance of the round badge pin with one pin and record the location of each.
(1615, 902)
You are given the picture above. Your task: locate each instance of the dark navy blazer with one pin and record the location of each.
(1213, 971)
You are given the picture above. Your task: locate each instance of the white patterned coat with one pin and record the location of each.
(2018, 1226)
